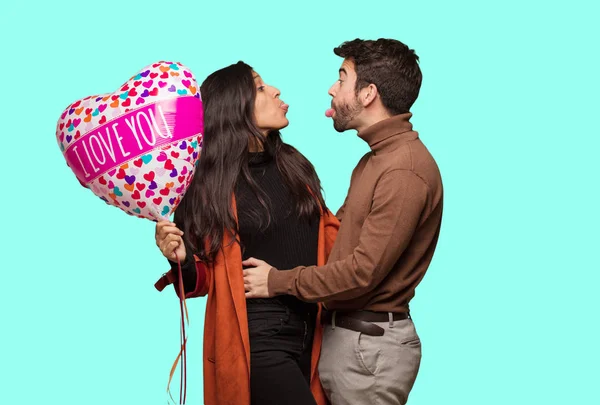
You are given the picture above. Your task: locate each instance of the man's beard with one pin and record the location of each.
(346, 113)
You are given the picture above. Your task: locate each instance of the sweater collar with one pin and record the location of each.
(259, 158)
(390, 131)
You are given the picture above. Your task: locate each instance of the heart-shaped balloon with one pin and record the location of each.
(137, 148)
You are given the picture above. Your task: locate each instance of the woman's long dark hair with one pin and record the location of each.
(206, 211)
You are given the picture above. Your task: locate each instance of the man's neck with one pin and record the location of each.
(372, 119)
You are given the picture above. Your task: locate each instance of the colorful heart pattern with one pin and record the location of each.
(137, 148)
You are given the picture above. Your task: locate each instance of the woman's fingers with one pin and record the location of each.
(163, 231)
(169, 245)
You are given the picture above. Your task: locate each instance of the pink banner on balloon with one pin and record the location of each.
(134, 134)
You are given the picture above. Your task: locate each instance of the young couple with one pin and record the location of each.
(305, 307)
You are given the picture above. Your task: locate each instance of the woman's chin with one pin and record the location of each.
(284, 123)
(277, 126)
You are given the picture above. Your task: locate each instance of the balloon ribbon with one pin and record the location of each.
(183, 341)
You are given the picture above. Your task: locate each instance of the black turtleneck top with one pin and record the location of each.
(287, 242)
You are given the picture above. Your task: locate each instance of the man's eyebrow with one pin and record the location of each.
(342, 70)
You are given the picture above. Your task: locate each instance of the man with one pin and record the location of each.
(390, 223)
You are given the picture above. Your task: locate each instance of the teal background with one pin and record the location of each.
(508, 312)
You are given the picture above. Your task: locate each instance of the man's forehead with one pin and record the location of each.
(347, 66)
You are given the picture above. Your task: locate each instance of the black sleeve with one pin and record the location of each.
(188, 269)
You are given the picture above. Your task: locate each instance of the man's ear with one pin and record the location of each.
(368, 94)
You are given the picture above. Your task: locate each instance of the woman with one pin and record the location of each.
(252, 195)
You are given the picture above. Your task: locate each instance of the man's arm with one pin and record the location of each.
(399, 199)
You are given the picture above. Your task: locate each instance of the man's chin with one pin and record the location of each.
(339, 126)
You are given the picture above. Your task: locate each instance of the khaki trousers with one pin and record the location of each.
(358, 369)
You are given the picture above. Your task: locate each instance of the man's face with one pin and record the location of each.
(344, 100)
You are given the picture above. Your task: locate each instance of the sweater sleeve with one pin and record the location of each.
(399, 199)
(188, 271)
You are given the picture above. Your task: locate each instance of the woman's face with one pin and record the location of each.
(269, 110)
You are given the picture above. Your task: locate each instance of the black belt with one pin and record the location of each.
(360, 321)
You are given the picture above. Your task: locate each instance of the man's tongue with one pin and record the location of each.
(329, 112)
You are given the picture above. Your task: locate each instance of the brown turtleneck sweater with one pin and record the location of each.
(390, 223)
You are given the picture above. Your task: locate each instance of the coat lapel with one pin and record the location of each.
(233, 269)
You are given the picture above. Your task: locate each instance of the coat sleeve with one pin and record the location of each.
(196, 278)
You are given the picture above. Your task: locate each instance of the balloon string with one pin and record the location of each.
(183, 341)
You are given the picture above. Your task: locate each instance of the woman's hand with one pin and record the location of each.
(169, 240)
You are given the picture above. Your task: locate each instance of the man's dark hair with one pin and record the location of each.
(388, 64)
